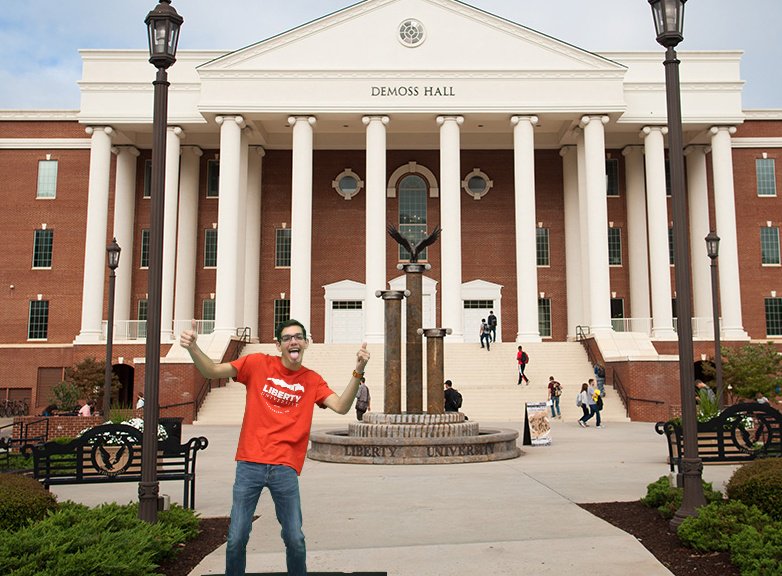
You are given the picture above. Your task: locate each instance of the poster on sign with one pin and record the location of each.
(537, 429)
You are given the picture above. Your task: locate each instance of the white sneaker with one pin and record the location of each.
(581, 423)
(599, 426)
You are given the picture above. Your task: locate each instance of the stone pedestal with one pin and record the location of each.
(414, 439)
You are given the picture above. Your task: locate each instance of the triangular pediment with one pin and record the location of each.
(365, 38)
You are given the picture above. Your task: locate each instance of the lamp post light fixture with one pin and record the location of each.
(713, 250)
(112, 252)
(163, 25)
(669, 24)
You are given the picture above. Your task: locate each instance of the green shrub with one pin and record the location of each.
(759, 482)
(106, 541)
(758, 553)
(717, 523)
(22, 499)
(668, 499)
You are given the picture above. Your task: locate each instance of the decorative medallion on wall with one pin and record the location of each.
(411, 33)
(347, 184)
(477, 184)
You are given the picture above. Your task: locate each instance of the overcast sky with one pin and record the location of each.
(40, 39)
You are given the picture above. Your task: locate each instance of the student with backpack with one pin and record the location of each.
(453, 400)
(522, 358)
(554, 392)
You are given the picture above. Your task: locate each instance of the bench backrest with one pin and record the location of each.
(741, 432)
(110, 452)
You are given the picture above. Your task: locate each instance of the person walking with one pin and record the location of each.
(582, 400)
(522, 358)
(140, 401)
(281, 394)
(594, 396)
(485, 335)
(554, 392)
(363, 400)
(491, 320)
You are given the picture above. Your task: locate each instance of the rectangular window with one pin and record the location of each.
(141, 316)
(38, 323)
(478, 304)
(671, 247)
(347, 305)
(766, 175)
(208, 315)
(769, 245)
(212, 178)
(147, 178)
(42, 248)
(145, 248)
(773, 316)
(282, 312)
(210, 248)
(282, 257)
(612, 177)
(542, 246)
(47, 179)
(614, 246)
(544, 317)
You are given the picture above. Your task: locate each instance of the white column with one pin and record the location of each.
(451, 223)
(173, 149)
(241, 233)
(657, 211)
(597, 215)
(526, 246)
(124, 215)
(301, 219)
(229, 221)
(725, 215)
(583, 227)
(698, 197)
(187, 238)
(95, 237)
(375, 219)
(252, 266)
(637, 246)
(575, 305)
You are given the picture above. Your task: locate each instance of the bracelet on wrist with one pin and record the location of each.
(358, 375)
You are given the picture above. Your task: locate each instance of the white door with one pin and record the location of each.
(347, 321)
(472, 323)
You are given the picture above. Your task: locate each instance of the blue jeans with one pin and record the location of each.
(283, 484)
(555, 404)
(487, 337)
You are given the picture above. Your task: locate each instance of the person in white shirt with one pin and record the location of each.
(140, 401)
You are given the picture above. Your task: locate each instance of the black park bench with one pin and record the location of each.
(112, 453)
(740, 433)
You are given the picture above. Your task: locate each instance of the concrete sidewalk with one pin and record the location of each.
(516, 517)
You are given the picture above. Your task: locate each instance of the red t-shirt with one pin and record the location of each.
(278, 410)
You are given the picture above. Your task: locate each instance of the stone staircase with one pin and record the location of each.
(486, 380)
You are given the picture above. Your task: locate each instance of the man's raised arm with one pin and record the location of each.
(342, 403)
(206, 366)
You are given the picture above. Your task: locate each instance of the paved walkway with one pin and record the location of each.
(517, 517)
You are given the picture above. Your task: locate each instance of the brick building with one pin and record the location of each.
(544, 164)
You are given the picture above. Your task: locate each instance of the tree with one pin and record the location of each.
(750, 369)
(87, 377)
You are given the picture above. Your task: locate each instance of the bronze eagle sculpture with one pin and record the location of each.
(419, 247)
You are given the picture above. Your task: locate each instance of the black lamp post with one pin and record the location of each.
(112, 252)
(669, 24)
(713, 249)
(163, 27)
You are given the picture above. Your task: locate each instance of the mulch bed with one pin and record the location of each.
(213, 532)
(644, 523)
(653, 531)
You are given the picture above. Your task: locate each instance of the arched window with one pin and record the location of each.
(412, 212)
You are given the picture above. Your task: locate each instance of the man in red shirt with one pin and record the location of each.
(281, 395)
